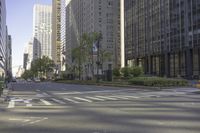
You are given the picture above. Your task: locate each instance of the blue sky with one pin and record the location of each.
(19, 21)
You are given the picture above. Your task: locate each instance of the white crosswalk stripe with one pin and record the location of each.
(70, 100)
(120, 97)
(83, 99)
(28, 104)
(108, 98)
(45, 102)
(11, 104)
(58, 101)
(94, 98)
(131, 97)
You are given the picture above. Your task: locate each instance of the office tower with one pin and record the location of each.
(163, 36)
(63, 35)
(87, 16)
(9, 54)
(3, 37)
(42, 31)
(28, 55)
(56, 32)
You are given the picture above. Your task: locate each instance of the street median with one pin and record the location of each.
(158, 84)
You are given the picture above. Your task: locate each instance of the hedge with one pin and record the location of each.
(157, 81)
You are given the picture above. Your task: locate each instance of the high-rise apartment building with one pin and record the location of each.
(163, 36)
(101, 16)
(56, 32)
(42, 31)
(3, 37)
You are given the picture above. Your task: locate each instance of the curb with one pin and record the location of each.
(127, 86)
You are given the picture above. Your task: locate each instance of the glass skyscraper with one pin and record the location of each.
(3, 37)
(42, 31)
(163, 36)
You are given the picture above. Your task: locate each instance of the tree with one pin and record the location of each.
(42, 66)
(28, 74)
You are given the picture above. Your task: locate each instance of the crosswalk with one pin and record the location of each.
(45, 99)
(65, 100)
(13, 103)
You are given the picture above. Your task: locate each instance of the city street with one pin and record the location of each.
(61, 108)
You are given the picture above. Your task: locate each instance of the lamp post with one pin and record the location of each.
(98, 56)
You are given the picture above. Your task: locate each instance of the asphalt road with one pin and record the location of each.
(60, 108)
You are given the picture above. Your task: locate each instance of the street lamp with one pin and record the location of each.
(98, 56)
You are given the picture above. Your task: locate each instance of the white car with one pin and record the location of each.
(37, 80)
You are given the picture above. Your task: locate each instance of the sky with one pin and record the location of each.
(20, 26)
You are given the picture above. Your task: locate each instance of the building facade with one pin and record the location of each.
(63, 35)
(163, 36)
(56, 32)
(28, 55)
(9, 55)
(88, 16)
(42, 17)
(3, 38)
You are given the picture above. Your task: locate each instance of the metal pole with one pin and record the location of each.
(98, 61)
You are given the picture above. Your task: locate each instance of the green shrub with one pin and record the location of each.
(158, 81)
(136, 71)
(125, 72)
(116, 72)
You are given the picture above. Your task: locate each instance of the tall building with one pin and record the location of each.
(28, 55)
(163, 36)
(3, 38)
(63, 35)
(42, 31)
(9, 55)
(56, 32)
(87, 16)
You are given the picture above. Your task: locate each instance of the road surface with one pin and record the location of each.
(61, 108)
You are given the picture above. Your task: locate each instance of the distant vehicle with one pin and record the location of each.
(14, 80)
(37, 80)
(29, 80)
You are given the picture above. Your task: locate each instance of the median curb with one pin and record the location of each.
(122, 85)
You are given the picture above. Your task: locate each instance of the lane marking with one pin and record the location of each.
(83, 99)
(94, 98)
(45, 94)
(108, 98)
(74, 92)
(11, 104)
(120, 97)
(58, 101)
(16, 119)
(45, 102)
(88, 92)
(131, 97)
(73, 101)
(28, 104)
